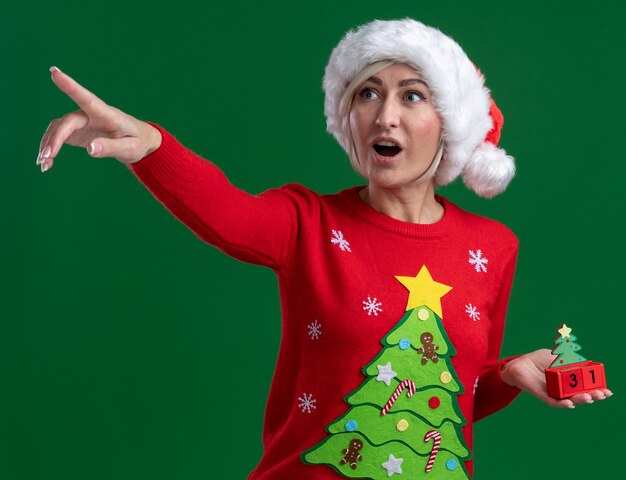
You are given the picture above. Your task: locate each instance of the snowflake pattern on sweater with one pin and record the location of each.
(315, 330)
(477, 259)
(307, 403)
(472, 312)
(372, 306)
(337, 239)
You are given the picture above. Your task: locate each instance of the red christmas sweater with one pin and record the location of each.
(337, 260)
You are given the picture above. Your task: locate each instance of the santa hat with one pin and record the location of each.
(471, 120)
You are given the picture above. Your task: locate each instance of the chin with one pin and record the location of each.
(392, 182)
(389, 178)
(387, 183)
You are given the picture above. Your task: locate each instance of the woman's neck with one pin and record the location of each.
(413, 205)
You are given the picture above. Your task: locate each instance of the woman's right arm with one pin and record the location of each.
(259, 229)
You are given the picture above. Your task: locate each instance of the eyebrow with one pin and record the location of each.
(403, 83)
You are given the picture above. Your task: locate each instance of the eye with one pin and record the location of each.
(414, 96)
(367, 94)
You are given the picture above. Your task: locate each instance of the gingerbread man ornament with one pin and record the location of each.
(352, 454)
(428, 348)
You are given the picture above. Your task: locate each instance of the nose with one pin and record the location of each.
(388, 114)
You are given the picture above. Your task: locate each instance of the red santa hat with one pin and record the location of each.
(471, 120)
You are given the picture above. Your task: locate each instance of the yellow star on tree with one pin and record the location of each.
(564, 331)
(423, 290)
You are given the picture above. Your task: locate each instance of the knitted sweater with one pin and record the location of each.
(337, 260)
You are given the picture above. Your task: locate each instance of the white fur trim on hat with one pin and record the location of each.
(489, 171)
(459, 95)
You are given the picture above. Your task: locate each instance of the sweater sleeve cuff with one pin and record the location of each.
(492, 393)
(164, 160)
(503, 363)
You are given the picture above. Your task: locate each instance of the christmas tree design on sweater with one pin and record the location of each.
(404, 419)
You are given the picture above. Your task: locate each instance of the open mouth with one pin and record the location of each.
(387, 149)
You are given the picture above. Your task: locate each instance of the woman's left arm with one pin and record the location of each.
(526, 372)
(501, 381)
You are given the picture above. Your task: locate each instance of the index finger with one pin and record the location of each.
(86, 100)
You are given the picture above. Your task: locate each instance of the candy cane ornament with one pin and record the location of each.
(394, 396)
(436, 436)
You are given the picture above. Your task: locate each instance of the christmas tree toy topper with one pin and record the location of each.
(571, 374)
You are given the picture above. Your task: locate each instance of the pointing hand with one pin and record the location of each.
(105, 131)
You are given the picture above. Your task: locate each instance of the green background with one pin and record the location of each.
(129, 349)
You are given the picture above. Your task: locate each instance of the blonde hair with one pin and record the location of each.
(345, 105)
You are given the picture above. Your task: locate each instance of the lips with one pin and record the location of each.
(387, 150)
(386, 146)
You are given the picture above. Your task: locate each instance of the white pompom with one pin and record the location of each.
(489, 170)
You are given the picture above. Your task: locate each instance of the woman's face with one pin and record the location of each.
(395, 127)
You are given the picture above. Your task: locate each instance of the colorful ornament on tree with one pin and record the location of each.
(385, 373)
(394, 396)
(393, 428)
(351, 425)
(352, 453)
(571, 374)
(393, 465)
(436, 437)
(428, 349)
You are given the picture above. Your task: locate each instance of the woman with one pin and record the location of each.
(388, 263)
